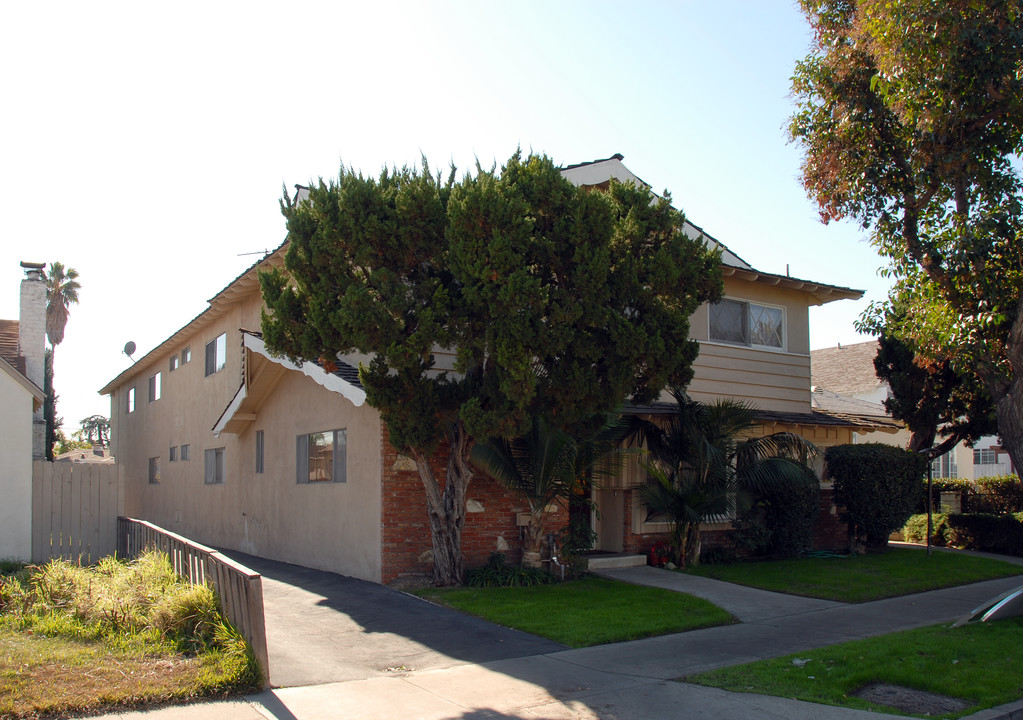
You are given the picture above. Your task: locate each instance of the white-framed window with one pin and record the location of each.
(740, 322)
(186, 355)
(213, 466)
(945, 466)
(985, 456)
(130, 401)
(259, 451)
(173, 362)
(154, 470)
(216, 354)
(185, 452)
(322, 457)
(172, 454)
(155, 387)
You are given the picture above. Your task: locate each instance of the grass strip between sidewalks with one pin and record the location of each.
(861, 578)
(583, 612)
(980, 663)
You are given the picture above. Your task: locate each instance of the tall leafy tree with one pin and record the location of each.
(910, 114)
(552, 298)
(931, 396)
(95, 429)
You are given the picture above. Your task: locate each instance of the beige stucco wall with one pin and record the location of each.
(777, 380)
(323, 525)
(15, 470)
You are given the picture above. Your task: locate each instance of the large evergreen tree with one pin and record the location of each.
(554, 299)
(910, 113)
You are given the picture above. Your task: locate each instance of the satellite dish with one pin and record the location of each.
(129, 350)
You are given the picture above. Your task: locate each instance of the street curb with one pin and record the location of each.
(1009, 711)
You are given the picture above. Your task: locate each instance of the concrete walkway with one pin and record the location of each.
(624, 681)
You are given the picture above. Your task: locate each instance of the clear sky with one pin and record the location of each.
(147, 144)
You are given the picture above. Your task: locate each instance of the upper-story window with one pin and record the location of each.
(155, 387)
(746, 323)
(985, 456)
(130, 403)
(216, 354)
(186, 355)
(173, 362)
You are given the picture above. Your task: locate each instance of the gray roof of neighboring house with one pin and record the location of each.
(846, 369)
(820, 415)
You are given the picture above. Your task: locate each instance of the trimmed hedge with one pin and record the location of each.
(992, 533)
(915, 530)
(879, 486)
(974, 531)
(1002, 494)
(993, 495)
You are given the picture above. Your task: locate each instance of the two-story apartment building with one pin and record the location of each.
(235, 448)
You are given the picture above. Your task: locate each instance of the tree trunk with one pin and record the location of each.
(1008, 392)
(446, 509)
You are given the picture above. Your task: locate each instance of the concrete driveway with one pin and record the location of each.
(323, 628)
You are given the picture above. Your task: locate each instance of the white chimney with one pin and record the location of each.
(32, 342)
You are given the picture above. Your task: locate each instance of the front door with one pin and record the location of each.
(610, 521)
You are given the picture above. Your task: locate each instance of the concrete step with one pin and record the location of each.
(607, 561)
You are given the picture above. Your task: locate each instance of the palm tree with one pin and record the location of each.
(549, 466)
(704, 461)
(61, 292)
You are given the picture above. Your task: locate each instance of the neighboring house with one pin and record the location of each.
(235, 448)
(847, 371)
(22, 348)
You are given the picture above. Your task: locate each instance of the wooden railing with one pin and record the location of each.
(240, 589)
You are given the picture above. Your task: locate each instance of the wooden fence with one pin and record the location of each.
(240, 589)
(74, 511)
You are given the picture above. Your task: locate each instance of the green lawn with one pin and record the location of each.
(981, 663)
(588, 611)
(860, 578)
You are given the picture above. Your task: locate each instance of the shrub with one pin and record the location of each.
(915, 529)
(1001, 494)
(497, 573)
(879, 486)
(939, 485)
(779, 520)
(993, 533)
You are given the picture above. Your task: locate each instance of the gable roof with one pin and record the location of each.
(598, 173)
(846, 369)
(19, 377)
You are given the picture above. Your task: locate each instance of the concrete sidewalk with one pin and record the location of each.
(623, 681)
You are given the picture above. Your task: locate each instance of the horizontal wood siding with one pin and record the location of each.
(770, 380)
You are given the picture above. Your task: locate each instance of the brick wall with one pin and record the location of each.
(830, 532)
(490, 524)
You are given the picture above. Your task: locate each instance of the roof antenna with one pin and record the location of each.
(264, 253)
(129, 350)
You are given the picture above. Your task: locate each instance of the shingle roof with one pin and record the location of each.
(846, 369)
(9, 344)
(815, 417)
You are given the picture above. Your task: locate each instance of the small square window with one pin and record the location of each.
(130, 406)
(173, 362)
(322, 457)
(154, 470)
(185, 452)
(172, 454)
(186, 355)
(155, 387)
(216, 354)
